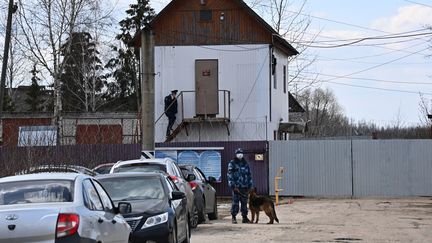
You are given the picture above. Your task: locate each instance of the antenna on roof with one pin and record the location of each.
(147, 154)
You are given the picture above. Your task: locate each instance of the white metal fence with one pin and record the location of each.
(345, 168)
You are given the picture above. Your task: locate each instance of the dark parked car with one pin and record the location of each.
(159, 209)
(168, 166)
(204, 192)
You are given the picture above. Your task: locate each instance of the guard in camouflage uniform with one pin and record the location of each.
(240, 182)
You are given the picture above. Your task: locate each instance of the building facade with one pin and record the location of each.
(229, 66)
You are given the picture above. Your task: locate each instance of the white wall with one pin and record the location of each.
(279, 97)
(243, 69)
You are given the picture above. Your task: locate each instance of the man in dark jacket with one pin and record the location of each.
(171, 110)
(240, 182)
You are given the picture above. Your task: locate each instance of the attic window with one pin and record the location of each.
(205, 15)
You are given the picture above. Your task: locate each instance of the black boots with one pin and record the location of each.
(234, 220)
(246, 220)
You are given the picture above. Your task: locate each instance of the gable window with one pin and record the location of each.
(206, 15)
(284, 79)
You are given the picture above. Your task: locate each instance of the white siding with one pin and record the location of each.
(243, 70)
(279, 98)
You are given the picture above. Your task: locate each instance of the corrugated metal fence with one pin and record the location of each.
(13, 159)
(353, 168)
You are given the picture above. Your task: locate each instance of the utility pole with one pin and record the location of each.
(147, 90)
(11, 10)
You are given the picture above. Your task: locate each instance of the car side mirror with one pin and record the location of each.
(191, 177)
(124, 208)
(176, 195)
(211, 179)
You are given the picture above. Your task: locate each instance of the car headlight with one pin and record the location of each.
(155, 220)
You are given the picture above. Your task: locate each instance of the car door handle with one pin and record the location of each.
(113, 221)
(100, 221)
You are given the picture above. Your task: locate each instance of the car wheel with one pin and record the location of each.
(214, 215)
(187, 239)
(172, 238)
(194, 219)
(202, 214)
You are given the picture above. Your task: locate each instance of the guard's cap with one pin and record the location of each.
(239, 151)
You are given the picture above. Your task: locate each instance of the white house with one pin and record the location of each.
(230, 68)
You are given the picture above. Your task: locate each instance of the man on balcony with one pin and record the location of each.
(170, 110)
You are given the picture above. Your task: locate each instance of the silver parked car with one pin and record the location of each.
(59, 207)
(205, 194)
(168, 166)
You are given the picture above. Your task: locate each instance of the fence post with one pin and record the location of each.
(352, 170)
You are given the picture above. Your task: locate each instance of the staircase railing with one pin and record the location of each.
(224, 111)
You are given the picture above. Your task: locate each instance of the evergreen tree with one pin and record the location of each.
(80, 80)
(34, 95)
(123, 92)
(8, 105)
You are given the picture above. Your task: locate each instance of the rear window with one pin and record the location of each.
(143, 167)
(133, 188)
(36, 191)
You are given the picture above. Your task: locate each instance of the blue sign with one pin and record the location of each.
(209, 161)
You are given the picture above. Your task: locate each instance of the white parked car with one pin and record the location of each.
(59, 207)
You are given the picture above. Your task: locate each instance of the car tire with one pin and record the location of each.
(172, 238)
(194, 219)
(188, 234)
(202, 214)
(214, 215)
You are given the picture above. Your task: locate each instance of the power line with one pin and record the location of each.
(371, 79)
(376, 66)
(395, 35)
(326, 19)
(369, 38)
(376, 88)
(423, 4)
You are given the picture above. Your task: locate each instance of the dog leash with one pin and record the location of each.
(241, 194)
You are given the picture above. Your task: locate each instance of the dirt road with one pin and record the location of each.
(343, 220)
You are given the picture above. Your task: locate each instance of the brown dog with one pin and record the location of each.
(261, 203)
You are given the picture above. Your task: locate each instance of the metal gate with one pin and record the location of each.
(352, 168)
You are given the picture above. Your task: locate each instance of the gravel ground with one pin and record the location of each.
(328, 220)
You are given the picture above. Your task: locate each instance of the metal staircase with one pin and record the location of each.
(187, 119)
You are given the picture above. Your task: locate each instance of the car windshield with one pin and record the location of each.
(133, 188)
(36, 191)
(141, 167)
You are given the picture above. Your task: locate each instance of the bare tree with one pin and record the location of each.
(45, 26)
(425, 110)
(325, 114)
(292, 23)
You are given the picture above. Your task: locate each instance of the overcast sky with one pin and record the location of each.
(387, 68)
